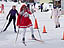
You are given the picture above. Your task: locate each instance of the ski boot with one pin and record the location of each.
(33, 37)
(23, 41)
(15, 31)
(59, 25)
(56, 26)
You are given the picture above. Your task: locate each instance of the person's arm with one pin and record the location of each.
(21, 13)
(29, 11)
(8, 14)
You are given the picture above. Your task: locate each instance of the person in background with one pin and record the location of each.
(34, 4)
(12, 14)
(41, 8)
(56, 14)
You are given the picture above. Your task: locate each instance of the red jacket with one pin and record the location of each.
(23, 21)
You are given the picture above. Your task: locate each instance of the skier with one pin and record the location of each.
(56, 14)
(12, 14)
(41, 7)
(34, 4)
(24, 22)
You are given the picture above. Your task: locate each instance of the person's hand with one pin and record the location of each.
(7, 18)
(51, 17)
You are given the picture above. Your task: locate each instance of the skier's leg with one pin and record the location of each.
(24, 35)
(14, 20)
(55, 20)
(33, 37)
(58, 22)
(41, 9)
(7, 24)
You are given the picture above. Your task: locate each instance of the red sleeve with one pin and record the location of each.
(29, 11)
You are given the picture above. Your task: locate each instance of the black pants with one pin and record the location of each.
(10, 19)
(41, 9)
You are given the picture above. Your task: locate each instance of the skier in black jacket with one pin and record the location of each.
(12, 14)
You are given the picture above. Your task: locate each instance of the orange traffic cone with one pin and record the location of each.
(44, 30)
(36, 24)
(63, 35)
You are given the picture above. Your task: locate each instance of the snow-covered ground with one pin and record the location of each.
(51, 39)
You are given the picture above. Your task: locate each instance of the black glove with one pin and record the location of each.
(7, 18)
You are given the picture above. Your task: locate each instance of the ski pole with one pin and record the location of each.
(17, 34)
(4, 25)
(39, 34)
(38, 29)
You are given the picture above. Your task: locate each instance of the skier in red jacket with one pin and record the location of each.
(24, 22)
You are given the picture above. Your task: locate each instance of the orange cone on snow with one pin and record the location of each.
(63, 35)
(44, 30)
(36, 24)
